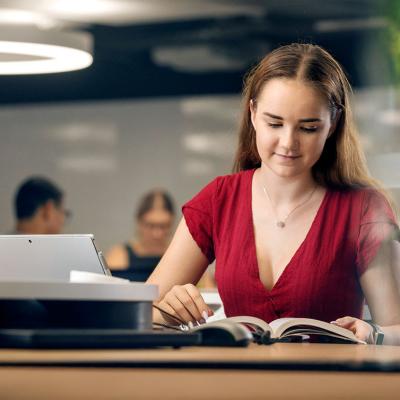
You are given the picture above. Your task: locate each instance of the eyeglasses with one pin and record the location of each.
(66, 212)
(154, 226)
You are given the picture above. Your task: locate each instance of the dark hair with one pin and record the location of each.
(33, 193)
(342, 162)
(148, 201)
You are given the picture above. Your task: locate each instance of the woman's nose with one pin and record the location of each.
(158, 233)
(290, 139)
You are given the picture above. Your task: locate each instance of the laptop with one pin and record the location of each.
(48, 257)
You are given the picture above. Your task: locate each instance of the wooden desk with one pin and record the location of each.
(279, 371)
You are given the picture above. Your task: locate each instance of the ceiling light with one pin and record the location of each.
(80, 9)
(29, 50)
(24, 17)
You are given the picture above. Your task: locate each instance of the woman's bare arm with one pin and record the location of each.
(380, 284)
(117, 258)
(179, 270)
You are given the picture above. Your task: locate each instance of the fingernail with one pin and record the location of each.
(334, 322)
(204, 315)
(202, 321)
(190, 324)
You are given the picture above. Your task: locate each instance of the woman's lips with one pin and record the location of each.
(286, 157)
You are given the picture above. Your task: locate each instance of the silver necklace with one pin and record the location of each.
(281, 223)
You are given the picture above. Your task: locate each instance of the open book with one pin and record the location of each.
(292, 328)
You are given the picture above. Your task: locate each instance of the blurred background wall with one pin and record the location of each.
(106, 155)
(160, 104)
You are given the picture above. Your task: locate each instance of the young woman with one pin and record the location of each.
(300, 230)
(137, 258)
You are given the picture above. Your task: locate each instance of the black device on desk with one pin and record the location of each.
(95, 338)
(82, 315)
(219, 333)
(223, 333)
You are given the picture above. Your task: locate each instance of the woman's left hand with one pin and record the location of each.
(361, 329)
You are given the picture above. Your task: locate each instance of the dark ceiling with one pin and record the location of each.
(125, 64)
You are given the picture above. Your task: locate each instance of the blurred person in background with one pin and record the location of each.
(154, 220)
(39, 207)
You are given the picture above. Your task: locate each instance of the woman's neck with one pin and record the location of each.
(286, 190)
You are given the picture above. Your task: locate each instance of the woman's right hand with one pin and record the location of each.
(186, 303)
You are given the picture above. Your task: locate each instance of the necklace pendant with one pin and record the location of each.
(280, 224)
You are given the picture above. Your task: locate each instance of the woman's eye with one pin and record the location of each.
(274, 125)
(309, 129)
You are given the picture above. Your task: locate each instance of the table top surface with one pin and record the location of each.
(290, 371)
(276, 356)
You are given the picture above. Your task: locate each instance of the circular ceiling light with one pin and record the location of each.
(31, 50)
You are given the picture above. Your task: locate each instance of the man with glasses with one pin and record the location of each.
(39, 207)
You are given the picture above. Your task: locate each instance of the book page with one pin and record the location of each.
(284, 327)
(252, 321)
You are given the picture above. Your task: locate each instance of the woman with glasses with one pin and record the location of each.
(154, 219)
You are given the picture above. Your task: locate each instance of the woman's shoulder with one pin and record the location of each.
(221, 188)
(230, 181)
(362, 194)
(370, 201)
(117, 257)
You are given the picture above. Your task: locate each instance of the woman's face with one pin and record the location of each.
(155, 226)
(292, 123)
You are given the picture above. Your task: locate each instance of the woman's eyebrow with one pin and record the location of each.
(272, 115)
(310, 120)
(300, 120)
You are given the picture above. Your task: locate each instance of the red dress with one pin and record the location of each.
(321, 280)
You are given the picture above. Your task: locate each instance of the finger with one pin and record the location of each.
(345, 321)
(168, 314)
(184, 294)
(173, 301)
(198, 300)
(361, 329)
(202, 306)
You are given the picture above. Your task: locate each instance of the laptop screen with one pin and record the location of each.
(47, 257)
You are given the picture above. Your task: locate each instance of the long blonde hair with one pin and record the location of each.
(342, 163)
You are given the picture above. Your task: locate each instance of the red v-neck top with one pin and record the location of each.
(322, 279)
